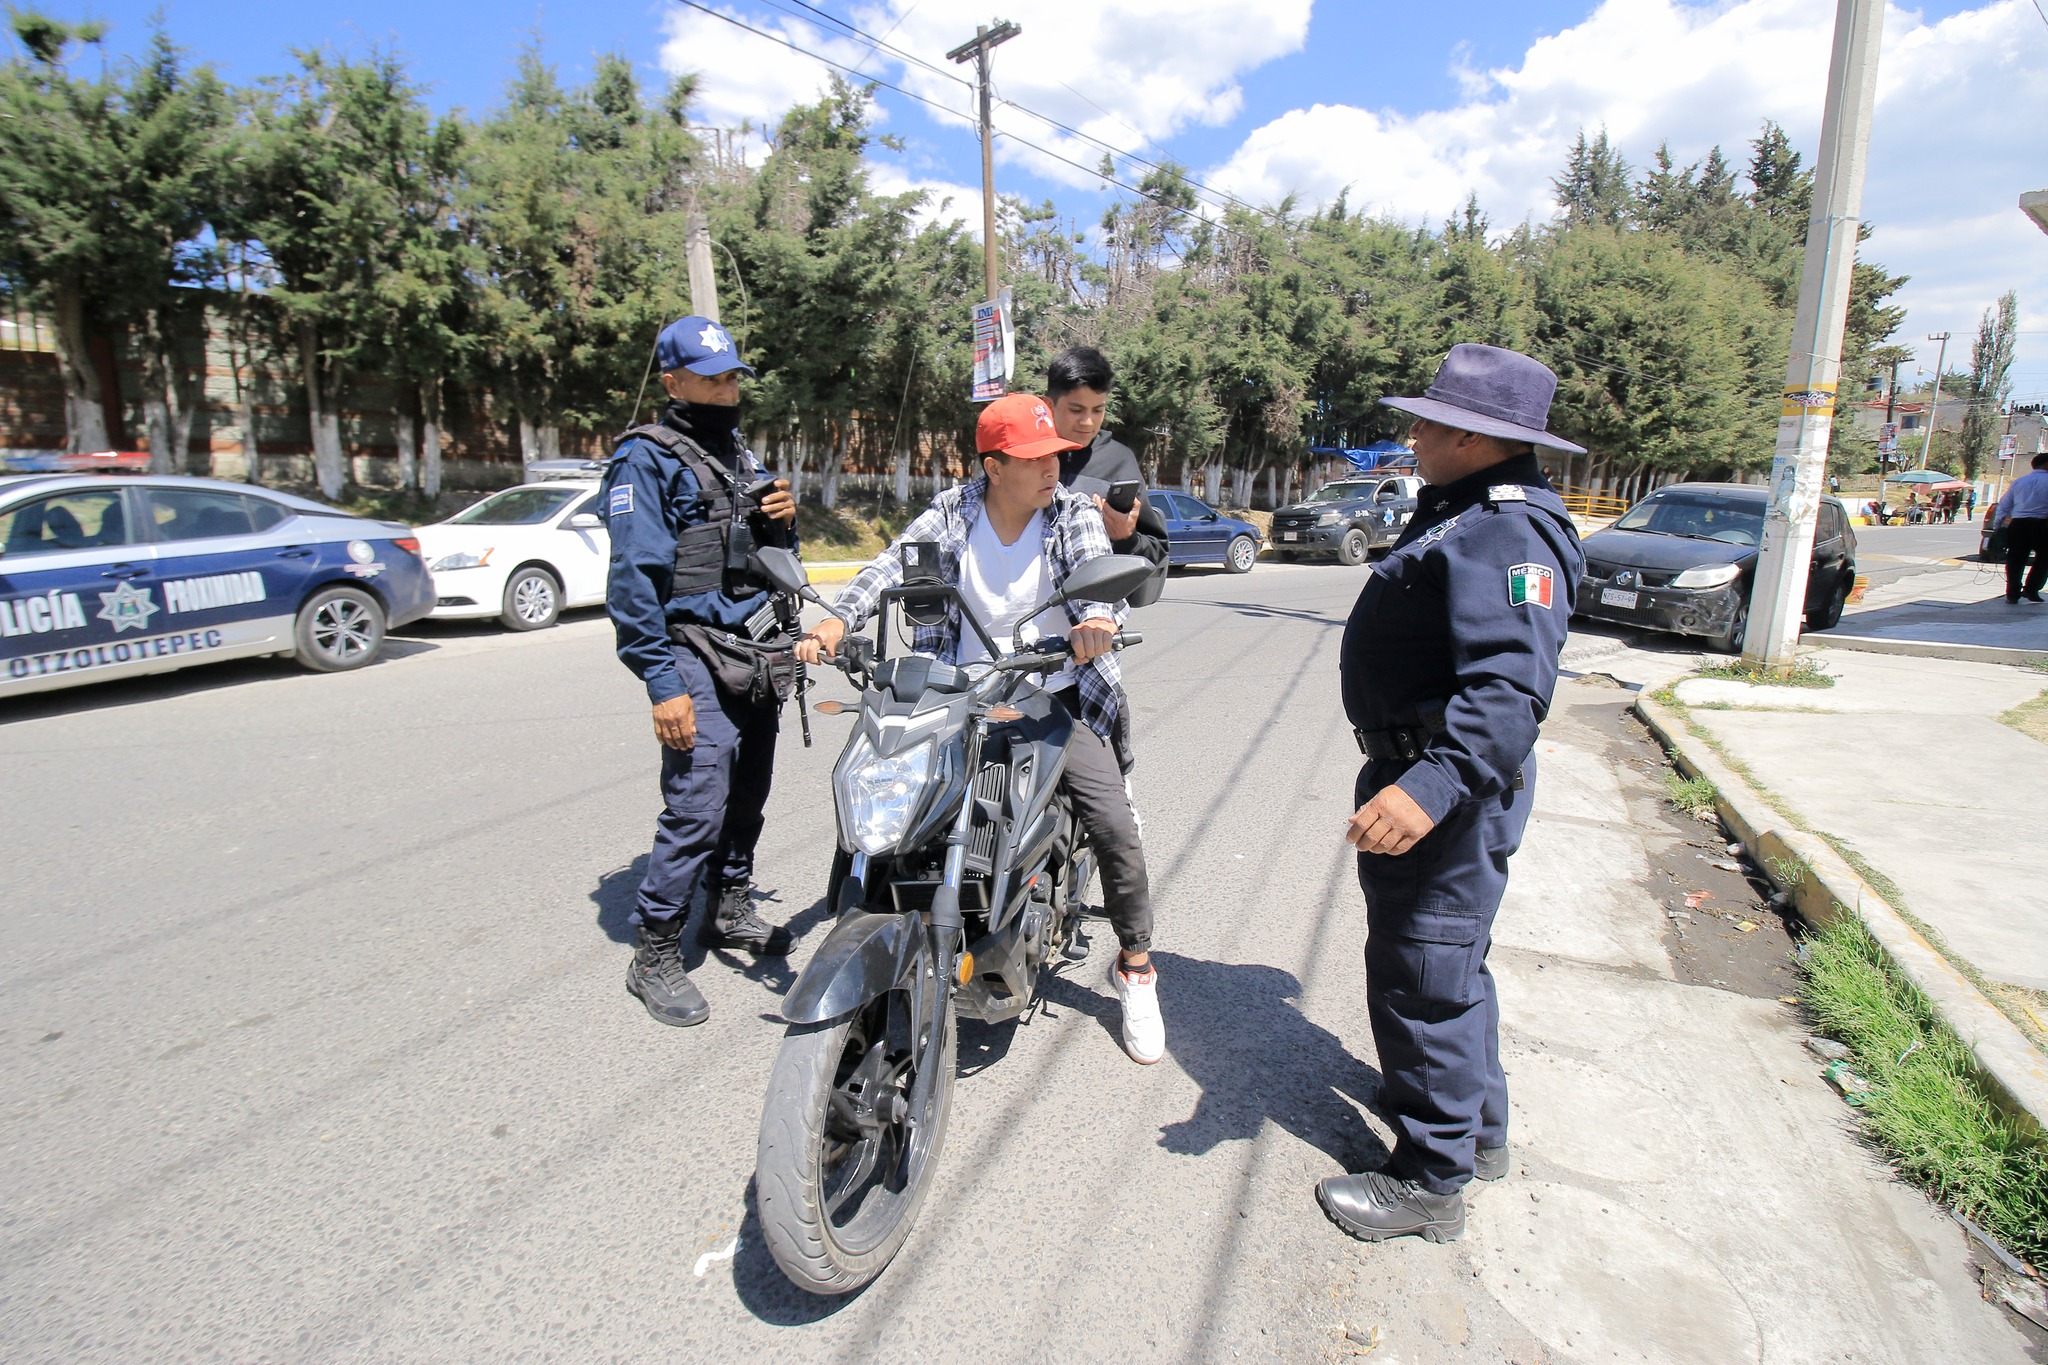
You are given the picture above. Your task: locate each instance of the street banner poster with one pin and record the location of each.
(2007, 444)
(995, 347)
(1888, 439)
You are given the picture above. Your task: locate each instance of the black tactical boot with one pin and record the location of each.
(1375, 1206)
(656, 975)
(730, 922)
(1490, 1163)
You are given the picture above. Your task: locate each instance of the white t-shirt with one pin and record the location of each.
(1003, 582)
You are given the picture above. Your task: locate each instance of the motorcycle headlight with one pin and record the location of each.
(461, 559)
(1329, 518)
(1708, 576)
(880, 795)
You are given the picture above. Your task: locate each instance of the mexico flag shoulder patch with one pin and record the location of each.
(1529, 585)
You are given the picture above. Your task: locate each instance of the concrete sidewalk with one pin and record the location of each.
(1906, 762)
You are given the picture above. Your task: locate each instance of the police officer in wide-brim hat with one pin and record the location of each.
(1449, 661)
(675, 503)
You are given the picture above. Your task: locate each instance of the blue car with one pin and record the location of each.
(1197, 533)
(105, 577)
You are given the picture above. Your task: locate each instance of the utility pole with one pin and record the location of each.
(986, 40)
(1934, 408)
(1806, 416)
(703, 280)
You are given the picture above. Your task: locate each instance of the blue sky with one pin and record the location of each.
(1407, 105)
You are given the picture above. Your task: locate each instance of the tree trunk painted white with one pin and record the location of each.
(408, 453)
(828, 493)
(901, 485)
(85, 417)
(430, 463)
(156, 430)
(328, 468)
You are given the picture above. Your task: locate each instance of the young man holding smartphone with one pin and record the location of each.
(1077, 387)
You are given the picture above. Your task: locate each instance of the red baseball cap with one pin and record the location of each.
(1020, 426)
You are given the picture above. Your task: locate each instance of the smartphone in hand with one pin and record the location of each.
(1123, 494)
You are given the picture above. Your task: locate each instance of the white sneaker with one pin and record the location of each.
(1144, 1028)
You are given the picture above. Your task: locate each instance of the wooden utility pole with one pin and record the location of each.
(985, 40)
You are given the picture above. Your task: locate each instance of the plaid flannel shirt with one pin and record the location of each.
(1074, 534)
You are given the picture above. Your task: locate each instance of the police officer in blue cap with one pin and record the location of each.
(1449, 661)
(685, 502)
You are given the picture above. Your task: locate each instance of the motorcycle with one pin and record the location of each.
(957, 889)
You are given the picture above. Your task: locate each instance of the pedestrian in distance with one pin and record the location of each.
(685, 501)
(2023, 512)
(1449, 662)
(1008, 538)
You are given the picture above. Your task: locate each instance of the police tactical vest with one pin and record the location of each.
(702, 548)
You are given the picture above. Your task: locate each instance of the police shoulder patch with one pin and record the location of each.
(1507, 492)
(1529, 585)
(622, 501)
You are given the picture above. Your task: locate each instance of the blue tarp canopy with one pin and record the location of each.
(1374, 456)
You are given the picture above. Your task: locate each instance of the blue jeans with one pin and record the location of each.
(1435, 1017)
(712, 798)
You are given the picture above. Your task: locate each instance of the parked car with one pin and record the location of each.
(1348, 519)
(541, 471)
(521, 555)
(103, 578)
(1197, 533)
(1684, 560)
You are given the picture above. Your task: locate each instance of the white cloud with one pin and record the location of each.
(945, 201)
(1125, 71)
(1955, 136)
(745, 78)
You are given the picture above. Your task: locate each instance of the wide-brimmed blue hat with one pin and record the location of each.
(1492, 391)
(699, 345)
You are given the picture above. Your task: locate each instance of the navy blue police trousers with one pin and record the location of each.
(711, 796)
(1435, 1018)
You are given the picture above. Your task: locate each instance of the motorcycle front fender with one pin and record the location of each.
(865, 955)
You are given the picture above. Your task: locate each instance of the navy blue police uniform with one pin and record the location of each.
(1449, 662)
(713, 794)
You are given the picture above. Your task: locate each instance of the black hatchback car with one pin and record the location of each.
(1348, 519)
(1684, 560)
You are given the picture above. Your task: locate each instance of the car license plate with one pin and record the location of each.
(1615, 597)
(1290, 535)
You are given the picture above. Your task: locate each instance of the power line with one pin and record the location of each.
(1273, 216)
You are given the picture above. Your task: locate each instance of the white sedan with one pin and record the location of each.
(521, 555)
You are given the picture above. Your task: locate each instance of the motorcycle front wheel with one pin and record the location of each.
(841, 1170)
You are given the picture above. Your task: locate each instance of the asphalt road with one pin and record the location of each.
(312, 1010)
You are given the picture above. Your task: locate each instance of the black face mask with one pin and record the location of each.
(713, 424)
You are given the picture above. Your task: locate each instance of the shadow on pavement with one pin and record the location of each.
(1236, 1031)
(762, 1287)
(188, 681)
(616, 896)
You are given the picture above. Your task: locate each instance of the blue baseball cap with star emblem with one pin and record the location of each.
(699, 345)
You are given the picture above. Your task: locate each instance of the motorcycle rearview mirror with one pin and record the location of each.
(1106, 578)
(782, 568)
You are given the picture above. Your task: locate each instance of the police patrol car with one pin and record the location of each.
(107, 577)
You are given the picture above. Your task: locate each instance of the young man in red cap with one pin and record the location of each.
(1007, 538)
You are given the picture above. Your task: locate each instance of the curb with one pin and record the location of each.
(2014, 1074)
(1931, 649)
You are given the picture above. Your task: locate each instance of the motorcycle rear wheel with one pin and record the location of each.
(835, 1196)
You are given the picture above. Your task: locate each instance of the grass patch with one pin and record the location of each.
(850, 531)
(1805, 672)
(1925, 1107)
(2030, 718)
(1789, 871)
(1693, 795)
